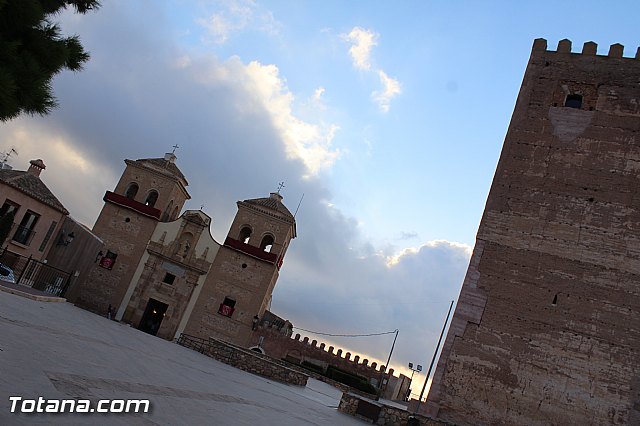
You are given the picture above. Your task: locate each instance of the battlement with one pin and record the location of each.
(281, 346)
(589, 48)
(322, 349)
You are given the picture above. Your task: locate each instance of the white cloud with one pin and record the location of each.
(312, 143)
(265, 90)
(390, 89)
(318, 94)
(62, 159)
(235, 16)
(239, 127)
(362, 41)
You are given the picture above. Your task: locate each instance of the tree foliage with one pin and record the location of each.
(32, 51)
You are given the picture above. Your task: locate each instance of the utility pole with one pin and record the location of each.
(434, 357)
(386, 367)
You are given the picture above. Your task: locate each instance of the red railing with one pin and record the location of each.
(123, 201)
(250, 250)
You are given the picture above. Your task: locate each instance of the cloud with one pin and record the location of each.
(337, 291)
(362, 41)
(240, 133)
(235, 16)
(317, 95)
(390, 89)
(408, 235)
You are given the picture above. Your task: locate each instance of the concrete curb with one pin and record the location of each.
(32, 296)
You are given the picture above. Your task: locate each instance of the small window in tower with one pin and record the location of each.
(169, 278)
(245, 234)
(267, 243)
(573, 101)
(131, 191)
(227, 307)
(152, 197)
(108, 260)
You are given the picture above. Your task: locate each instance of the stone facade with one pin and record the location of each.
(166, 275)
(127, 221)
(245, 360)
(547, 327)
(243, 272)
(38, 215)
(382, 414)
(171, 271)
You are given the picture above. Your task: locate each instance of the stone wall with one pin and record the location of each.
(244, 359)
(546, 329)
(280, 346)
(387, 415)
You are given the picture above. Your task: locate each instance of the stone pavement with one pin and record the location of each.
(28, 292)
(56, 350)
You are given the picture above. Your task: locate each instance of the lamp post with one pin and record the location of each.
(434, 357)
(413, 371)
(386, 367)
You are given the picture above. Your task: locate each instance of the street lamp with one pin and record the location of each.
(413, 370)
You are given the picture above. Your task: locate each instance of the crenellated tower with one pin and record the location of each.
(546, 326)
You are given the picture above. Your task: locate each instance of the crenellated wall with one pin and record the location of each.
(298, 349)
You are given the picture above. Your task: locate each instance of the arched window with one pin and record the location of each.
(245, 234)
(175, 213)
(131, 191)
(152, 197)
(573, 101)
(267, 243)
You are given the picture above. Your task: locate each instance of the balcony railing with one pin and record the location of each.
(23, 235)
(250, 250)
(121, 200)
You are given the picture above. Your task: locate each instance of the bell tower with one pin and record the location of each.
(150, 190)
(244, 273)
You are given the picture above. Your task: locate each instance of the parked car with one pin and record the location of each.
(6, 274)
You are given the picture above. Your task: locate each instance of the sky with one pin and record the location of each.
(384, 120)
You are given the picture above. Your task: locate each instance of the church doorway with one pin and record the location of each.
(153, 315)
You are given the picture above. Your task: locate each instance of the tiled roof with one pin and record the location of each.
(163, 165)
(32, 186)
(273, 203)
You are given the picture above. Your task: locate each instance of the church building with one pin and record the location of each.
(162, 271)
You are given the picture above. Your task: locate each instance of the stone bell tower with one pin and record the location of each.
(150, 190)
(245, 270)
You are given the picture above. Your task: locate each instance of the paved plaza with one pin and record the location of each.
(58, 351)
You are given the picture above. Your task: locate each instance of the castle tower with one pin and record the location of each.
(241, 280)
(547, 327)
(150, 190)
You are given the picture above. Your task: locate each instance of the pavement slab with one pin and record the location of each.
(59, 351)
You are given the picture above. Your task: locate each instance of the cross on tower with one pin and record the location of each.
(174, 148)
(280, 186)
